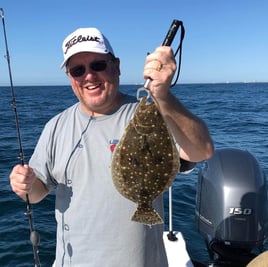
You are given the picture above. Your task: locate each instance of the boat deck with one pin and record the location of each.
(176, 251)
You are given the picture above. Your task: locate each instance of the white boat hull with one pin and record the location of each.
(176, 251)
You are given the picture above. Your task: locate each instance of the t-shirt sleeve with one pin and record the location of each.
(41, 160)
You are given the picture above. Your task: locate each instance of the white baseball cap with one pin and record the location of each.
(85, 40)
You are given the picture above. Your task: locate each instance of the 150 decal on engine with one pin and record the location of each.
(240, 211)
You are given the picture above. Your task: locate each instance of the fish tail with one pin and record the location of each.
(147, 216)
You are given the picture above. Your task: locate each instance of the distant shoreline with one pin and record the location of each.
(139, 84)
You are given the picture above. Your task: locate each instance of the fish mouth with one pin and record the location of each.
(93, 86)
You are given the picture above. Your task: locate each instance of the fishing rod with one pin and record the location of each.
(34, 235)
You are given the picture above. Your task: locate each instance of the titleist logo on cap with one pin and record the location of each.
(80, 39)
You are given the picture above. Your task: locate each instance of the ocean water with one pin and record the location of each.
(236, 114)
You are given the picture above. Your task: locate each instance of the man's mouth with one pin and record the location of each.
(92, 87)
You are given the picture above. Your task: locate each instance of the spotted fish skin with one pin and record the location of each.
(145, 161)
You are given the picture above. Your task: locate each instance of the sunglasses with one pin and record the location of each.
(80, 70)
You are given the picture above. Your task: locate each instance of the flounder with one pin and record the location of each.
(145, 161)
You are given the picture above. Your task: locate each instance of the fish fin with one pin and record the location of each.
(148, 216)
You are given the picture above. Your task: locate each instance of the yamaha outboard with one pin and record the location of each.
(232, 207)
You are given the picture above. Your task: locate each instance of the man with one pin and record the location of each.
(75, 149)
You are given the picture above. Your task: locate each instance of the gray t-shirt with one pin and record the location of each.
(94, 226)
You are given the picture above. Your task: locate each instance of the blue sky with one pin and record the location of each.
(225, 41)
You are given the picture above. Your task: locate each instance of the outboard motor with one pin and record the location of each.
(232, 207)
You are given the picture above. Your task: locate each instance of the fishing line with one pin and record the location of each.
(179, 49)
(34, 235)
